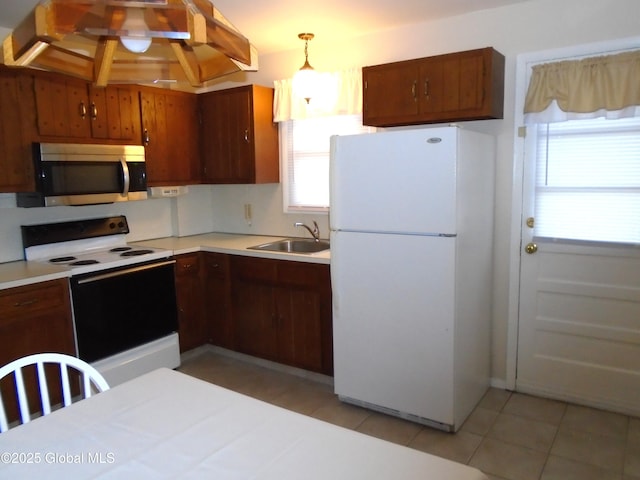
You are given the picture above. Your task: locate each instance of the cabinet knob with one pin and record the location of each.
(246, 136)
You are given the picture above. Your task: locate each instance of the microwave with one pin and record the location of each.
(86, 174)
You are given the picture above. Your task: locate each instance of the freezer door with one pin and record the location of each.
(393, 321)
(400, 181)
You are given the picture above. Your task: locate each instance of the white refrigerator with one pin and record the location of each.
(411, 252)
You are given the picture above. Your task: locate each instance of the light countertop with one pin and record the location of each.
(16, 274)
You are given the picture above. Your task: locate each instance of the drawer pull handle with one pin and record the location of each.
(26, 303)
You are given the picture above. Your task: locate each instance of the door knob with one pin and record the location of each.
(531, 248)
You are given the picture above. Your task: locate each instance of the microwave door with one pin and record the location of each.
(75, 174)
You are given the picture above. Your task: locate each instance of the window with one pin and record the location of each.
(305, 159)
(588, 180)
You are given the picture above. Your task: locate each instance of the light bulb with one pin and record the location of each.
(136, 40)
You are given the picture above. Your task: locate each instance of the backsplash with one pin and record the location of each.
(147, 219)
(206, 208)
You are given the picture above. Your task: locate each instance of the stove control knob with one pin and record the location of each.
(112, 225)
(120, 224)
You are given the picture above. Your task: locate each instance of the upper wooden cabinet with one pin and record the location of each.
(68, 109)
(238, 136)
(170, 123)
(16, 118)
(445, 88)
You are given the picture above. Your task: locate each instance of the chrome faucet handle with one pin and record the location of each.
(315, 233)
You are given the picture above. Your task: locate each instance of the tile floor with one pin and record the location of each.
(509, 436)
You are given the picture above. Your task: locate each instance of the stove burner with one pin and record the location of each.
(85, 262)
(120, 249)
(134, 253)
(62, 259)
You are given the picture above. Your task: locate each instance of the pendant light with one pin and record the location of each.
(305, 79)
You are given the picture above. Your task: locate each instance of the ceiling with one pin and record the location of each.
(273, 25)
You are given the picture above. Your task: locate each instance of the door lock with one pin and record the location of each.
(531, 248)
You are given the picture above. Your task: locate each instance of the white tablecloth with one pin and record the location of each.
(168, 425)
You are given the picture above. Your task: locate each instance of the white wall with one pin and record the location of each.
(532, 26)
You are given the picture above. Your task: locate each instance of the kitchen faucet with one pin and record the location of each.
(315, 233)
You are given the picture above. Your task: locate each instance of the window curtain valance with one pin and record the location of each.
(337, 93)
(607, 86)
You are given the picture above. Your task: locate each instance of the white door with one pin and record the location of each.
(579, 317)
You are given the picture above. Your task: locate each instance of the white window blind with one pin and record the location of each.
(306, 162)
(588, 180)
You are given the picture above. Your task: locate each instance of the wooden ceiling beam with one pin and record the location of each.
(103, 60)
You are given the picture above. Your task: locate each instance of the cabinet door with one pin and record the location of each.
(254, 310)
(114, 113)
(170, 136)
(62, 107)
(192, 322)
(154, 136)
(217, 295)
(452, 84)
(183, 147)
(226, 130)
(300, 323)
(16, 164)
(239, 138)
(35, 319)
(390, 91)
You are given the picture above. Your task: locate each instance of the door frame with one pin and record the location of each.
(524, 62)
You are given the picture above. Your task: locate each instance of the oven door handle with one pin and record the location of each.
(104, 276)
(126, 179)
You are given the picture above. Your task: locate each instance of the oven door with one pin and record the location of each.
(116, 310)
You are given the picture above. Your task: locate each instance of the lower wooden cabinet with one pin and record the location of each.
(282, 311)
(34, 319)
(192, 320)
(273, 309)
(217, 293)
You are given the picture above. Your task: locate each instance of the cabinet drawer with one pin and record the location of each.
(30, 300)
(187, 264)
(255, 269)
(301, 274)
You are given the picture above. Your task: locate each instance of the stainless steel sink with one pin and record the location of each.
(294, 245)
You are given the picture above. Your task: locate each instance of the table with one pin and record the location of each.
(166, 424)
